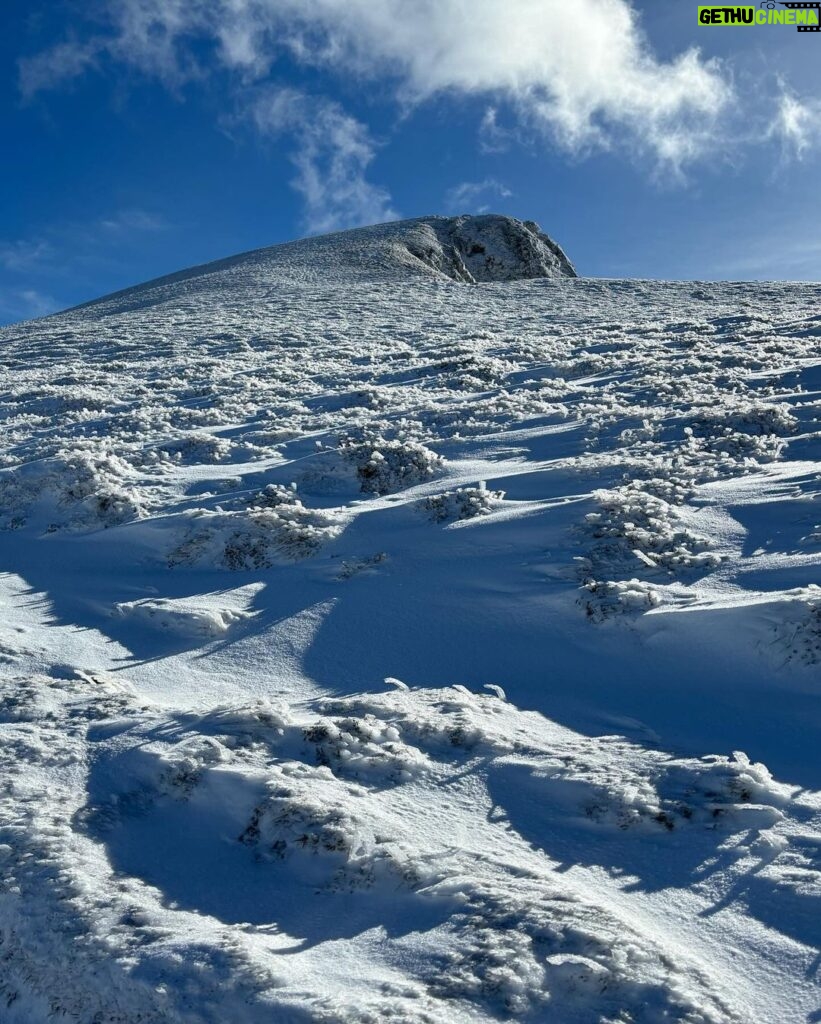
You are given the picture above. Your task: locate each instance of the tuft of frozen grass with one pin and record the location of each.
(602, 599)
(798, 633)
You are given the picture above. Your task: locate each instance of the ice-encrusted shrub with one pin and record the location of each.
(747, 417)
(602, 599)
(384, 466)
(440, 723)
(274, 496)
(476, 372)
(528, 950)
(730, 452)
(74, 489)
(632, 524)
(311, 820)
(199, 448)
(351, 567)
(255, 538)
(365, 748)
(463, 503)
(716, 790)
(260, 721)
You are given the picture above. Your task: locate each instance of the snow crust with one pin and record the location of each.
(386, 636)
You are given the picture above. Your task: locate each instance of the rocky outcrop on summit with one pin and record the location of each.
(486, 248)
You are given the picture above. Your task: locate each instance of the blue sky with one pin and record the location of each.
(143, 136)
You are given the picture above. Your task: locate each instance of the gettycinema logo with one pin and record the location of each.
(805, 16)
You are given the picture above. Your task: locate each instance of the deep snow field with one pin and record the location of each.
(377, 646)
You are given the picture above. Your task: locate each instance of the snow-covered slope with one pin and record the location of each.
(469, 249)
(378, 646)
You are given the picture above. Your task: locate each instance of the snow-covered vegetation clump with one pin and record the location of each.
(798, 634)
(72, 490)
(255, 538)
(463, 503)
(234, 501)
(383, 466)
(632, 525)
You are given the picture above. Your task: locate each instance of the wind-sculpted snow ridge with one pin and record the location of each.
(577, 519)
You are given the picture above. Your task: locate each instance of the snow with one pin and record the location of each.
(396, 630)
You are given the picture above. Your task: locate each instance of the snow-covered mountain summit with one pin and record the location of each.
(468, 248)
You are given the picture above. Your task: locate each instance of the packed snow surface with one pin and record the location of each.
(396, 627)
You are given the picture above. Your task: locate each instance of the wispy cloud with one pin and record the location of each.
(778, 257)
(58, 65)
(132, 221)
(46, 250)
(332, 153)
(796, 124)
(582, 72)
(473, 196)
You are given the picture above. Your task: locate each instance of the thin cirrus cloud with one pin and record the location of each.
(474, 196)
(331, 158)
(582, 73)
(796, 124)
(22, 254)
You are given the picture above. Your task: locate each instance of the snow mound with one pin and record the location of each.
(181, 617)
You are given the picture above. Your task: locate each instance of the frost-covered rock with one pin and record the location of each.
(483, 248)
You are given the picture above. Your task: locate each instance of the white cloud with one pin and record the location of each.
(581, 71)
(797, 123)
(469, 196)
(333, 151)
